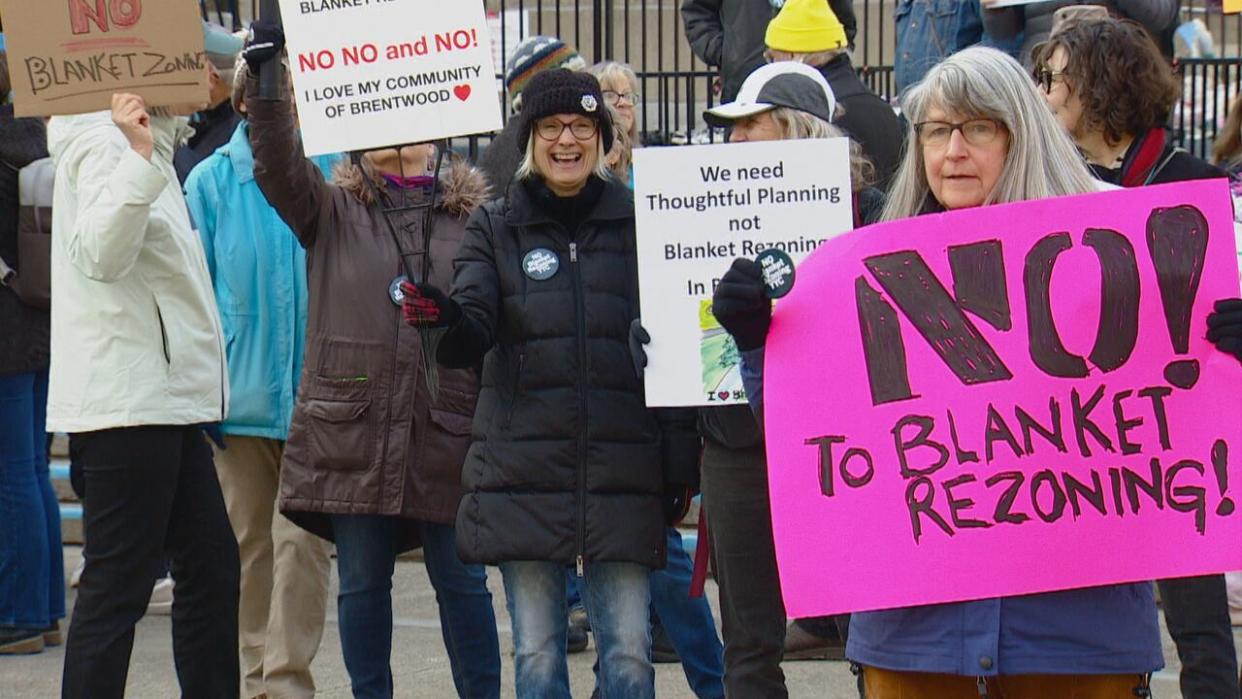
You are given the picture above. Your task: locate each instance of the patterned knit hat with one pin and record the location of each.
(563, 92)
(537, 54)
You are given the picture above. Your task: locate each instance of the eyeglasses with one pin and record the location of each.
(613, 98)
(551, 129)
(977, 132)
(1044, 77)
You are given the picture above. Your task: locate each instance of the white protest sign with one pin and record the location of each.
(371, 73)
(699, 207)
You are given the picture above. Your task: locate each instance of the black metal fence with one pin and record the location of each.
(676, 86)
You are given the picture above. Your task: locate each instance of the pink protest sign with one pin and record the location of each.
(1007, 400)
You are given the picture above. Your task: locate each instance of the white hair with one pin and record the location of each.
(528, 168)
(982, 82)
(796, 124)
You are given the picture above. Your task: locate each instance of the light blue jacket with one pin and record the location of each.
(259, 274)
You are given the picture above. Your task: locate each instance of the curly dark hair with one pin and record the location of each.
(1126, 86)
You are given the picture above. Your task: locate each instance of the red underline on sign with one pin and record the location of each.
(92, 44)
(118, 88)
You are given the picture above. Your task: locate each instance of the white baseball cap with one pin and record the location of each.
(787, 84)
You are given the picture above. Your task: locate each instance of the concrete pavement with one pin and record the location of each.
(420, 667)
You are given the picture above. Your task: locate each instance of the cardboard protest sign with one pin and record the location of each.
(1007, 400)
(371, 73)
(69, 57)
(697, 209)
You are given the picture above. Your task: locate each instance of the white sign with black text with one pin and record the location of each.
(697, 209)
(371, 73)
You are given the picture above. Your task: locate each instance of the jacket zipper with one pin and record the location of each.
(159, 315)
(517, 383)
(579, 307)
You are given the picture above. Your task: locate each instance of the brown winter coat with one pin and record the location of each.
(366, 437)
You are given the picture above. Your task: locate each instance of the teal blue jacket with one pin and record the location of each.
(259, 274)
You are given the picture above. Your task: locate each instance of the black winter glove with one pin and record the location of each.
(638, 354)
(426, 306)
(266, 41)
(1225, 326)
(681, 450)
(741, 304)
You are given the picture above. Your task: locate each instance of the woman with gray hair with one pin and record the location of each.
(786, 100)
(981, 135)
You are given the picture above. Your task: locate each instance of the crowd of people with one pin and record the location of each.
(262, 358)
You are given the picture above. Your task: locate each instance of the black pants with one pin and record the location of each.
(1196, 611)
(151, 490)
(752, 612)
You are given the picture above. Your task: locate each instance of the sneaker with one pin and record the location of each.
(161, 597)
(577, 638)
(578, 617)
(14, 641)
(579, 625)
(662, 650)
(76, 576)
(52, 636)
(801, 644)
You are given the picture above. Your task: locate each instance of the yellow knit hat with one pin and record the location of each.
(805, 26)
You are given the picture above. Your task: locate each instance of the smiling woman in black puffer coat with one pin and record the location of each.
(569, 468)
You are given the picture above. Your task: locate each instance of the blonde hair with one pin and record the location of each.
(978, 83)
(528, 169)
(796, 124)
(814, 59)
(624, 146)
(615, 72)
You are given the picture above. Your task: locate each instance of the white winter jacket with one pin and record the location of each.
(136, 336)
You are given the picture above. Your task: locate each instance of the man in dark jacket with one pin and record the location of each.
(728, 34)
(807, 31)
(32, 606)
(214, 126)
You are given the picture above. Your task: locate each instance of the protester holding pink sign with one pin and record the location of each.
(984, 137)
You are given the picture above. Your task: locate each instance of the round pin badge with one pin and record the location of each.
(541, 264)
(395, 294)
(778, 272)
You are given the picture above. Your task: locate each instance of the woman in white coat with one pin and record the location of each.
(137, 370)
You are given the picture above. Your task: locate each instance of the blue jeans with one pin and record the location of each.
(366, 550)
(688, 621)
(617, 596)
(32, 569)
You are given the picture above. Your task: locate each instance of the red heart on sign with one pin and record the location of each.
(724, 395)
(462, 92)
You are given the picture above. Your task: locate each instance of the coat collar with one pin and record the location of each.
(615, 204)
(240, 154)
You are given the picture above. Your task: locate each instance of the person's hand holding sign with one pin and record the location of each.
(741, 304)
(129, 113)
(266, 41)
(1225, 327)
(427, 306)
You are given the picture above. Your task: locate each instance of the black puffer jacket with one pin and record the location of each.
(23, 329)
(566, 464)
(866, 118)
(729, 34)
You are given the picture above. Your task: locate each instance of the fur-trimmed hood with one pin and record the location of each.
(463, 187)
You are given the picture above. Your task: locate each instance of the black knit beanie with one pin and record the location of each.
(563, 92)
